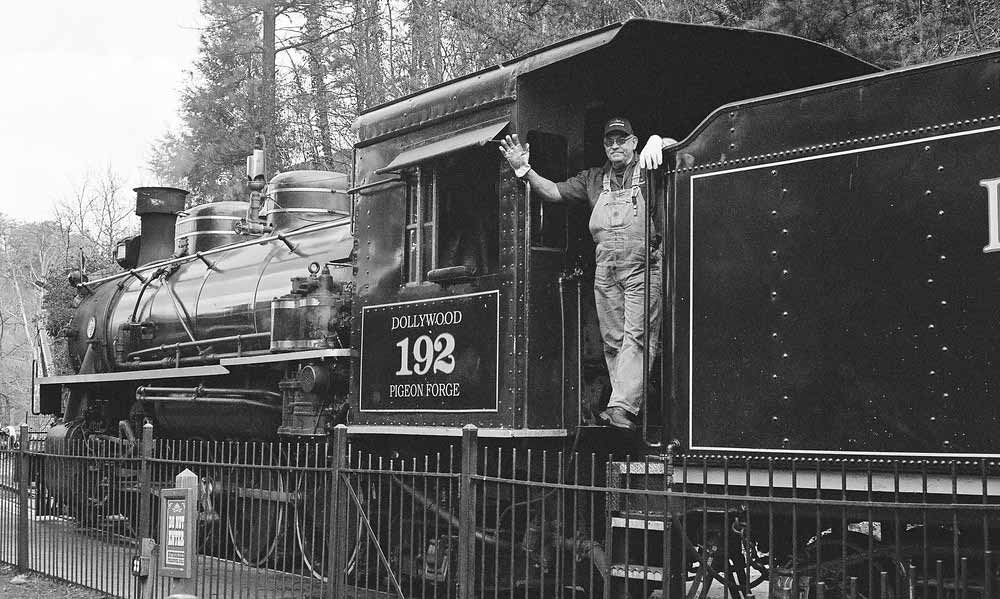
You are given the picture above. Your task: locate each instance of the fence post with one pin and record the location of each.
(467, 513)
(145, 490)
(337, 511)
(22, 494)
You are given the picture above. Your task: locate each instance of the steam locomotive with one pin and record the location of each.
(827, 259)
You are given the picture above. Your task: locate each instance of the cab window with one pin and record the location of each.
(452, 217)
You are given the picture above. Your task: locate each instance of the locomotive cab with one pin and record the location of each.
(474, 295)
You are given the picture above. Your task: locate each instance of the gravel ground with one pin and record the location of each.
(38, 586)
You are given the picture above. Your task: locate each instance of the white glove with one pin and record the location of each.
(652, 153)
(516, 154)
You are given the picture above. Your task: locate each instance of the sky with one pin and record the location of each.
(87, 84)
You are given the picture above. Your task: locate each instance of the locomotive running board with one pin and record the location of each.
(132, 375)
(311, 354)
(453, 431)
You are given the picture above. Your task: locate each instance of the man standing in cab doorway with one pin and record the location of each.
(617, 210)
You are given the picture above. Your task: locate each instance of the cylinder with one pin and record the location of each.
(299, 198)
(208, 226)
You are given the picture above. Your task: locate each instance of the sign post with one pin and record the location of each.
(178, 536)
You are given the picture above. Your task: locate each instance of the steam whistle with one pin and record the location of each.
(255, 171)
(256, 183)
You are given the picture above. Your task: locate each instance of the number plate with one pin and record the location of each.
(435, 355)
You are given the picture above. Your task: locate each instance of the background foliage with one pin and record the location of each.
(336, 58)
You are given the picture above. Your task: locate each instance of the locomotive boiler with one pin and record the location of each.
(256, 297)
(829, 236)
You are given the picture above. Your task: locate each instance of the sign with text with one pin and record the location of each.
(437, 355)
(178, 542)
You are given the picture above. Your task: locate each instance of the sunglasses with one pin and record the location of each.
(613, 140)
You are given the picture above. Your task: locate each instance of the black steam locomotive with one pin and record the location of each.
(827, 253)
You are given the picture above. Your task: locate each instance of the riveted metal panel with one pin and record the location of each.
(838, 299)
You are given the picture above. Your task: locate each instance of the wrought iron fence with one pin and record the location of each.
(428, 519)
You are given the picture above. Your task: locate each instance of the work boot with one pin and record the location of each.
(617, 417)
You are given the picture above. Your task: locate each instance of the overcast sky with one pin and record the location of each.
(87, 83)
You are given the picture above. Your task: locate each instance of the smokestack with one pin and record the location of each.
(157, 209)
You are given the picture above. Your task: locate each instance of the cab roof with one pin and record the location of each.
(680, 44)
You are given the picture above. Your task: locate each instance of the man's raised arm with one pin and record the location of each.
(517, 156)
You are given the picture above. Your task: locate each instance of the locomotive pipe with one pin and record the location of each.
(201, 395)
(138, 299)
(579, 348)
(445, 515)
(136, 274)
(185, 344)
(175, 362)
(182, 314)
(199, 391)
(208, 264)
(213, 400)
(562, 347)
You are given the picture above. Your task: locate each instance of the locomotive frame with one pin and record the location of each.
(439, 273)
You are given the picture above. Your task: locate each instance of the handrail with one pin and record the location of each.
(182, 259)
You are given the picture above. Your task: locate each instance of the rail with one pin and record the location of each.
(483, 518)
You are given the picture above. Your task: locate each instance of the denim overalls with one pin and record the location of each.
(616, 223)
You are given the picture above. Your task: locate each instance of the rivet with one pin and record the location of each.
(784, 272)
(927, 192)
(784, 355)
(927, 148)
(774, 418)
(944, 302)
(940, 167)
(930, 280)
(785, 313)
(929, 236)
(946, 395)
(932, 373)
(774, 173)
(774, 376)
(784, 397)
(942, 257)
(774, 253)
(944, 348)
(774, 335)
(784, 231)
(930, 326)
(774, 213)
(940, 212)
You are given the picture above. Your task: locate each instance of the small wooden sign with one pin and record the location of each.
(178, 532)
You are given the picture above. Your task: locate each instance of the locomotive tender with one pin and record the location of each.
(827, 256)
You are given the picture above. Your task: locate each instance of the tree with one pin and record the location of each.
(94, 218)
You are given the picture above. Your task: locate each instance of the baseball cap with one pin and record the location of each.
(618, 124)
